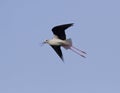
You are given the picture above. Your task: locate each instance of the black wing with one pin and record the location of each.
(58, 51)
(60, 30)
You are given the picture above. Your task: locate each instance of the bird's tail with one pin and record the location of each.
(74, 49)
(69, 43)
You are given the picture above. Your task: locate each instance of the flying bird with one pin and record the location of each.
(59, 40)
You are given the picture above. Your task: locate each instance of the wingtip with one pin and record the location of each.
(62, 59)
(71, 24)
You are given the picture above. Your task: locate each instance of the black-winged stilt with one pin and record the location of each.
(59, 40)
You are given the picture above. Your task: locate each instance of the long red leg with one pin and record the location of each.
(77, 52)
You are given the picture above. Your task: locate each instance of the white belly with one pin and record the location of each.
(56, 42)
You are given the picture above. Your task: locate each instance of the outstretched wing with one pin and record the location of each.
(59, 31)
(58, 51)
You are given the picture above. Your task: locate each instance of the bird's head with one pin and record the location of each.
(46, 41)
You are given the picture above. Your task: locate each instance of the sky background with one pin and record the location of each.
(26, 67)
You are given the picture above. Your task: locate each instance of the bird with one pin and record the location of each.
(59, 40)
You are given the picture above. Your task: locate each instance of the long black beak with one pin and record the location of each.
(42, 43)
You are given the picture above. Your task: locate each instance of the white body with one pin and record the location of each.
(56, 41)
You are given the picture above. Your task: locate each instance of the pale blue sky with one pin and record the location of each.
(26, 67)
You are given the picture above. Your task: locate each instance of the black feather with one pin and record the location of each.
(58, 51)
(60, 30)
